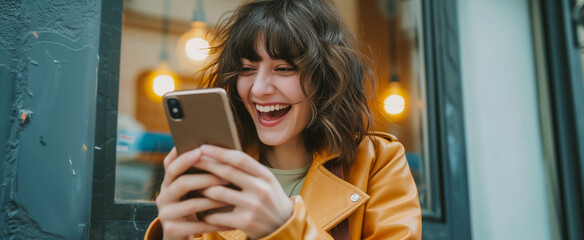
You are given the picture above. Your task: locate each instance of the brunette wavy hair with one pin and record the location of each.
(310, 35)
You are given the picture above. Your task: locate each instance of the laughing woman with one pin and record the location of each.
(311, 168)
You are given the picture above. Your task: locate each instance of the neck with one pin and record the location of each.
(291, 155)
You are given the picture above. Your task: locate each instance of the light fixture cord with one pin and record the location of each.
(164, 51)
(199, 12)
(392, 10)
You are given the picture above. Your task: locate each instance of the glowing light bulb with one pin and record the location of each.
(394, 104)
(163, 84)
(194, 46)
(160, 81)
(197, 49)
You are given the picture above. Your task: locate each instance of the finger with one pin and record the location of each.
(236, 158)
(188, 207)
(184, 228)
(179, 165)
(230, 173)
(227, 195)
(170, 157)
(186, 183)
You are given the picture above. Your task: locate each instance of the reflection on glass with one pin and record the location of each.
(138, 169)
(390, 28)
(150, 67)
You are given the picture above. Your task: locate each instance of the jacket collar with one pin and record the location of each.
(329, 199)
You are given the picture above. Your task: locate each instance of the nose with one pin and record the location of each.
(263, 83)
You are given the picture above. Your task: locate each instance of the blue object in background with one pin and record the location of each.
(139, 170)
(133, 142)
(414, 161)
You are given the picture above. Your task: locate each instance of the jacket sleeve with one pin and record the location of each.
(154, 231)
(393, 211)
(299, 225)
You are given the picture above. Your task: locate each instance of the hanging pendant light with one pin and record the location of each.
(395, 101)
(394, 104)
(162, 79)
(193, 46)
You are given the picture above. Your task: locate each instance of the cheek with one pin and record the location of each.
(293, 89)
(243, 88)
(306, 113)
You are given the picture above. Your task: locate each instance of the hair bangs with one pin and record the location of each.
(242, 43)
(268, 29)
(279, 41)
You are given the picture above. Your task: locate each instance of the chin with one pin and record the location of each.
(271, 140)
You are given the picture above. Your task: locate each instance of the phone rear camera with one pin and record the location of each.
(174, 108)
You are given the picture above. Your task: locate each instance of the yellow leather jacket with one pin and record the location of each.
(378, 195)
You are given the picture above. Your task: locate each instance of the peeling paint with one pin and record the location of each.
(21, 225)
(71, 165)
(33, 61)
(25, 115)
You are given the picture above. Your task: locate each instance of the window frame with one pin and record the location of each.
(566, 91)
(447, 143)
(450, 214)
(111, 220)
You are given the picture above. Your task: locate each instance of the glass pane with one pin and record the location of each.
(391, 29)
(152, 62)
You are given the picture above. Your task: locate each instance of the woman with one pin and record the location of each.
(310, 167)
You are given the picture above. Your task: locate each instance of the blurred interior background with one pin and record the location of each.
(159, 53)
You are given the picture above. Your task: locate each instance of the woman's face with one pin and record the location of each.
(270, 90)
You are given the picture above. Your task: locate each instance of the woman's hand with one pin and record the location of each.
(177, 215)
(261, 206)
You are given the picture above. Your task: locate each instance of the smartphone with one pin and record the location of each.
(197, 117)
(200, 116)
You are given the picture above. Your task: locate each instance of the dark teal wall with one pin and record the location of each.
(48, 67)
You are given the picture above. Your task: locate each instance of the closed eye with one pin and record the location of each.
(282, 69)
(246, 70)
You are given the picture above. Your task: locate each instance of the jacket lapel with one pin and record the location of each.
(328, 198)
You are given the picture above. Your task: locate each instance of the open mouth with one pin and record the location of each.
(273, 112)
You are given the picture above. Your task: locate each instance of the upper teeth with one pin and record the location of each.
(270, 108)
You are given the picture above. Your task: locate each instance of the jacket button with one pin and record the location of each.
(355, 197)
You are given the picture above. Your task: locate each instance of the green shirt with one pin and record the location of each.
(291, 180)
